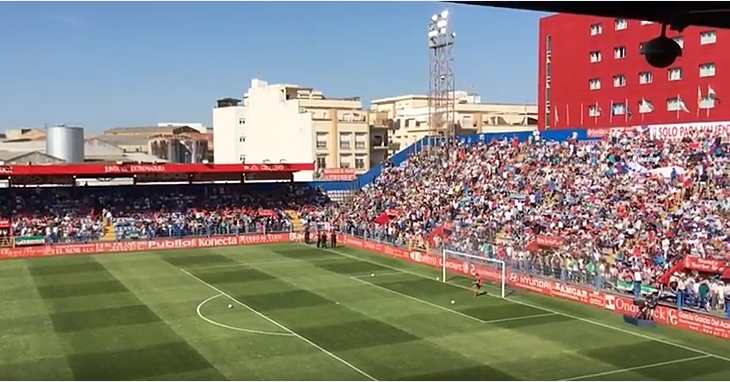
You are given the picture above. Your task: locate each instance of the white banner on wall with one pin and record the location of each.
(676, 131)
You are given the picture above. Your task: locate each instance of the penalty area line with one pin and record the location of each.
(642, 367)
(437, 306)
(280, 326)
(377, 274)
(544, 309)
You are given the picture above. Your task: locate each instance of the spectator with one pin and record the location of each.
(624, 203)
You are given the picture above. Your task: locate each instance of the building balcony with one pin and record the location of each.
(387, 124)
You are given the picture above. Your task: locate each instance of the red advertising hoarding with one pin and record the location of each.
(81, 170)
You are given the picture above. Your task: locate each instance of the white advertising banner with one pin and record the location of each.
(677, 131)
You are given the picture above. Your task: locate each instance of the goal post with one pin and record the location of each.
(459, 265)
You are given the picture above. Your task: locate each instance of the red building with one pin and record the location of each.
(591, 75)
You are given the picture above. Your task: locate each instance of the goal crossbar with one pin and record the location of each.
(469, 265)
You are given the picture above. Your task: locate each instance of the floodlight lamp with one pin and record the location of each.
(442, 23)
(434, 17)
(445, 14)
(442, 31)
(433, 33)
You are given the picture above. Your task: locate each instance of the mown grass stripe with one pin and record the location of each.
(109, 356)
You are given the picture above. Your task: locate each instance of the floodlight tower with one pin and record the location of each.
(442, 85)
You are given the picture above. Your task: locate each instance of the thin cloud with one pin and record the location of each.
(68, 21)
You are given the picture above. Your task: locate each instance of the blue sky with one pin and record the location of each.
(102, 65)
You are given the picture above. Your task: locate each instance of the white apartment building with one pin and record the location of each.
(408, 117)
(288, 123)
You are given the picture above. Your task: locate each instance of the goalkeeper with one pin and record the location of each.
(478, 282)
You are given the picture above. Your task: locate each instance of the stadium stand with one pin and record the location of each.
(586, 212)
(589, 212)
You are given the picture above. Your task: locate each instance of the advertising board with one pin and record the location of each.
(678, 131)
(147, 245)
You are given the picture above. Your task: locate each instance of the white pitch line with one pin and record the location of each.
(642, 367)
(378, 274)
(276, 323)
(588, 321)
(254, 263)
(222, 325)
(516, 318)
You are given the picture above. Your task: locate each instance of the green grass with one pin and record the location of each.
(300, 313)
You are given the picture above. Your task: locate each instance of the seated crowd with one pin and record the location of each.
(79, 214)
(608, 208)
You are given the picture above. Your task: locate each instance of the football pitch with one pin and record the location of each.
(293, 312)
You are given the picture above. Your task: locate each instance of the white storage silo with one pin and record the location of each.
(65, 142)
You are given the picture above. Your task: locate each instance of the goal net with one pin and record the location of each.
(462, 268)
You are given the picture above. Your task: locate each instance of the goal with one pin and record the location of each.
(459, 267)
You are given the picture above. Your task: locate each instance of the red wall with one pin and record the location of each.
(571, 70)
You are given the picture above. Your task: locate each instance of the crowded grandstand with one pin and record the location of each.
(593, 212)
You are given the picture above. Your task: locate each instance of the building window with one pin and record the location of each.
(596, 56)
(645, 106)
(594, 84)
(594, 111)
(596, 29)
(242, 158)
(645, 78)
(707, 102)
(360, 162)
(680, 41)
(644, 22)
(676, 104)
(321, 162)
(708, 37)
(345, 141)
(619, 52)
(707, 70)
(322, 140)
(548, 43)
(675, 74)
(360, 139)
(242, 139)
(618, 108)
(345, 161)
(378, 140)
(242, 121)
(619, 81)
(620, 24)
(352, 117)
